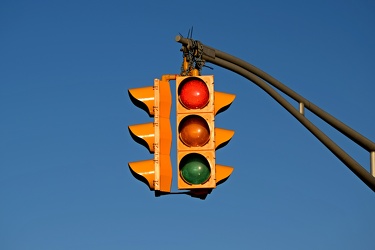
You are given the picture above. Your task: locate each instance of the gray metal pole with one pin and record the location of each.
(344, 129)
(255, 75)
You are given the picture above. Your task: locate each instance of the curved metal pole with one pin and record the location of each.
(354, 166)
(246, 69)
(211, 53)
(344, 129)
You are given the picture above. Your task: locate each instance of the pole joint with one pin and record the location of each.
(192, 52)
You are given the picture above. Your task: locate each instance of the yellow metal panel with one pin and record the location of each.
(146, 133)
(165, 99)
(222, 101)
(144, 171)
(163, 135)
(144, 95)
(222, 136)
(165, 179)
(164, 109)
(222, 173)
(156, 100)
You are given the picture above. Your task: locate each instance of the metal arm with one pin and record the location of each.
(261, 78)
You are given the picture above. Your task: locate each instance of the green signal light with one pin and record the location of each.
(195, 169)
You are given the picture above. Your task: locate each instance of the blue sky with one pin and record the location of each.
(65, 68)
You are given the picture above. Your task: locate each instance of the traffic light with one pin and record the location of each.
(197, 137)
(156, 136)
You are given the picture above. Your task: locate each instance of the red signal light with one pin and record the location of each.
(194, 93)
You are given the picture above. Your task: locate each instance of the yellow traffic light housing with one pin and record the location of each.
(197, 138)
(156, 136)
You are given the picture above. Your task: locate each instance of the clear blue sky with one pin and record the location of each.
(65, 67)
